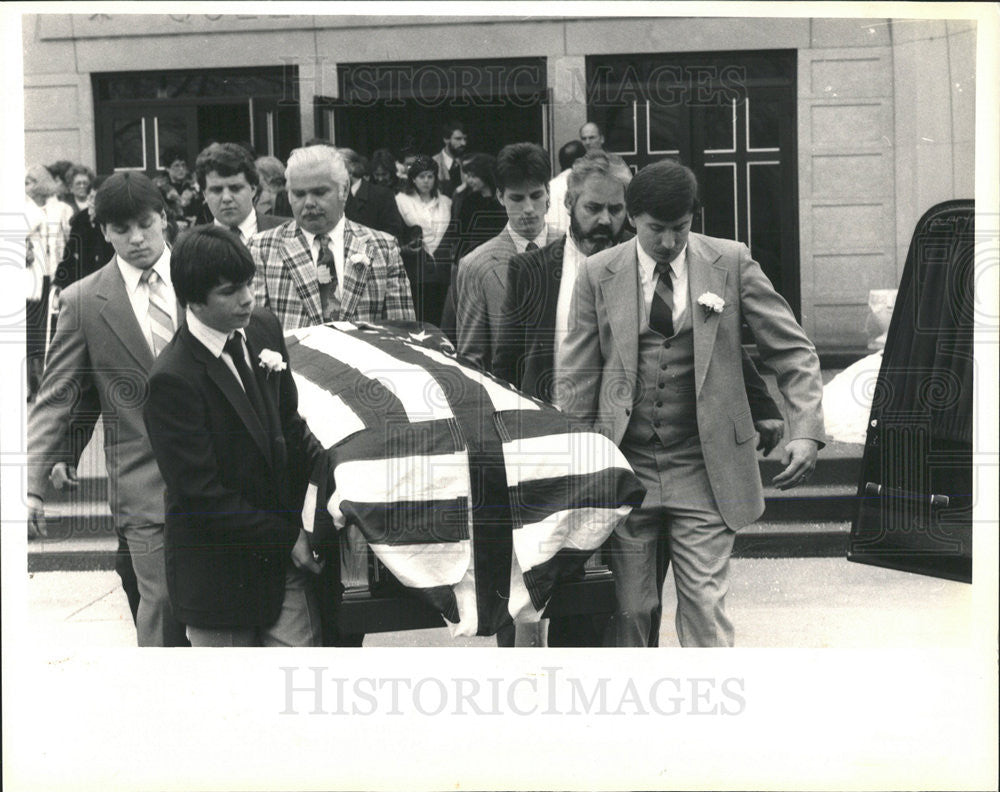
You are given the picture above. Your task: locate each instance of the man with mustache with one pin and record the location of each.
(535, 318)
(320, 266)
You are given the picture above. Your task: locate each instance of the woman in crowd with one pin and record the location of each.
(81, 181)
(272, 196)
(428, 263)
(477, 213)
(87, 250)
(382, 169)
(48, 229)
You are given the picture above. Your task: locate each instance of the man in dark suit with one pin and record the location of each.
(370, 204)
(449, 158)
(658, 320)
(229, 182)
(535, 316)
(223, 420)
(112, 324)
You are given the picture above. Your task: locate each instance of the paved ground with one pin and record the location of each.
(782, 603)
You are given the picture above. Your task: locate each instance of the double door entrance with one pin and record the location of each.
(731, 118)
(142, 121)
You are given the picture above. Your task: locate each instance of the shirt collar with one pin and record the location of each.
(520, 242)
(248, 227)
(132, 274)
(213, 340)
(446, 158)
(336, 235)
(678, 266)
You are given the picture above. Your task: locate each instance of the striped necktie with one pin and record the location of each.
(160, 323)
(661, 310)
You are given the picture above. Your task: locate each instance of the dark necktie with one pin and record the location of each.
(530, 246)
(234, 348)
(327, 291)
(661, 311)
(455, 174)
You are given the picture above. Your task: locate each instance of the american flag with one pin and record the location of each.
(475, 496)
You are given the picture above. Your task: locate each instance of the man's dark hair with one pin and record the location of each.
(226, 159)
(665, 190)
(570, 153)
(522, 162)
(449, 128)
(125, 196)
(203, 258)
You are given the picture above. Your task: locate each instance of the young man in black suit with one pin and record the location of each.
(235, 454)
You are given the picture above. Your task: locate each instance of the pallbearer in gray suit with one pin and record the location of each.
(112, 325)
(653, 359)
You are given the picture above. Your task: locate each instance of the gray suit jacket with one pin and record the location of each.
(98, 365)
(598, 362)
(480, 284)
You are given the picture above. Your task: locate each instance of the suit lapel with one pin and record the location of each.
(118, 314)
(356, 272)
(704, 275)
(296, 260)
(226, 382)
(619, 286)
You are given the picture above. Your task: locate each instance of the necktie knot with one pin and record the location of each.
(149, 277)
(530, 246)
(234, 347)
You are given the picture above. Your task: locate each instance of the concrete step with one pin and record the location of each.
(760, 540)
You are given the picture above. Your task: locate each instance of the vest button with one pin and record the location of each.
(663, 367)
(659, 404)
(661, 385)
(666, 345)
(656, 424)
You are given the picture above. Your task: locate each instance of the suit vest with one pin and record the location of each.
(664, 406)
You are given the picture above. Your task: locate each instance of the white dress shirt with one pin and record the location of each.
(138, 292)
(247, 228)
(557, 217)
(572, 259)
(336, 246)
(520, 242)
(432, 216)
(215, 341)
(647, 277)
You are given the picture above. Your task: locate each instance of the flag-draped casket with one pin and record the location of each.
(476, 497)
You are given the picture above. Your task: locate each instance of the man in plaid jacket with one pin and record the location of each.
(322, 267)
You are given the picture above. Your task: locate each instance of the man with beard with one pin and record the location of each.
(449, 158)
(535, 319)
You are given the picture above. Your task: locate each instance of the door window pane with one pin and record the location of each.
(171, 137)
(719, 121)
(765, 219)
(618, 123)
(719, 201)
(666, 128)
(128, 137)
(763, 119)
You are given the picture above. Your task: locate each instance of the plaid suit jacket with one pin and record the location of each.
(375, 286)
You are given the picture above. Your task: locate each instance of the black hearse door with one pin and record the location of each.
(915, 495)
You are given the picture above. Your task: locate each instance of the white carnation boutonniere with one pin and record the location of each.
(711, 303)
(358, 260)
(272, 361)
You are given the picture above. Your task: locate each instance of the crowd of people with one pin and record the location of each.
(587, 290)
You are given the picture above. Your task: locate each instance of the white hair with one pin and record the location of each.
(310, 158)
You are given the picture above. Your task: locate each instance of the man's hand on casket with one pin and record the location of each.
(302, 555)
